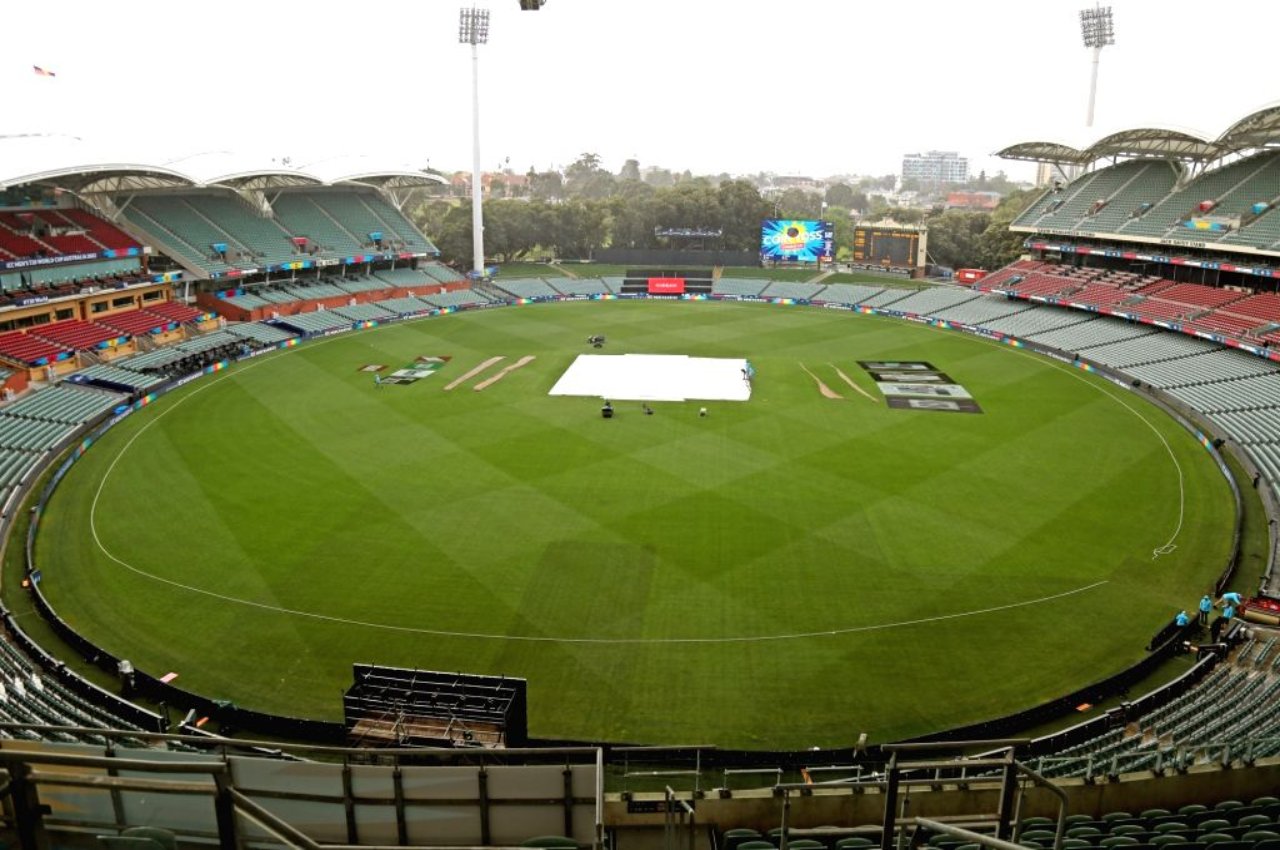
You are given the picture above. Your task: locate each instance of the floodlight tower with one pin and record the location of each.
(473, 29)
(1098, 29)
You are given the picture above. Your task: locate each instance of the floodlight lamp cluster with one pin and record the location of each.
(1097, 27)
(473, 26)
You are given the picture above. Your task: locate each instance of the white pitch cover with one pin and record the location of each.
(655, 377)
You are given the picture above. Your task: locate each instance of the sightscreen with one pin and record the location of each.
(793, 240)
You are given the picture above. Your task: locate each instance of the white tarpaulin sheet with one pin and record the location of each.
(655, 377)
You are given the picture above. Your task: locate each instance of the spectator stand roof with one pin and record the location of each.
(1259, 129)
(69, 164)
(98, 174)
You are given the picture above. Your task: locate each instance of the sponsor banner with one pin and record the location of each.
(925, 390)
(912, 377)
(944, 405)
(666, 286)
(896, 365)
(40, 262)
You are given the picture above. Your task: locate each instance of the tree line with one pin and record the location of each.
(587, 208)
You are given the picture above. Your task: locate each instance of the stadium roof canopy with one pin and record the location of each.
(1257, 130)
(73, 164)
(1154, 141)
(1053, 152)
(372, 172)
(234, 171)
(68, 163)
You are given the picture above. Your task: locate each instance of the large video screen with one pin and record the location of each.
(792, 240)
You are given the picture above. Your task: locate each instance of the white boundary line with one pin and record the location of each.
(1168, 547)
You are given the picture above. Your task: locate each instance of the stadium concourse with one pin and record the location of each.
(120, 282)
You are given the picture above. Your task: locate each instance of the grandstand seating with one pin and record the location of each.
(982, 311)
(63, 403)
(267, 242)
(360, 283)
(133, 322)
(406, 306)
(259, 332)
(457, 298)
(1237, 703)
(14, 245)
(100, 230)
(302, 216)
(442, 274)
(31, 350)
(734, 286)
(185, 232)
(77, 334)
(396, 223)
(31, 435)
(175, 311)
(578, 286)
(848, 293)
(926, 302)
(364, 312)
(1225, 184)
(103, 374)
(1080, 197)
(318, 321)
(525, 287)
(790, 289)
(1153, 182)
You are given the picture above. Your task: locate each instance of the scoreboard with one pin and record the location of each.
(899, 249)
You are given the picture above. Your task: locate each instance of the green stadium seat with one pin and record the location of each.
(1253, 820)
(1257, 835)
(1118, 841)
(735, 838)
(1213, 825)
(1170, 826)
(854, 842)
(1211, 838)
(1128, 829)
(1169, 838)
(1078, 820)
(1225, 805)
(1151, 814)
(1265, 801)
(1112, 817)
(1084, 832)
(129, 842)
(1035, 823)
(1075, 844)
(806, 844)
(1193, 809)
(1038, 835)
(550, 842)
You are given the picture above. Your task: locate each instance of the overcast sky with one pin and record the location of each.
(739, 86)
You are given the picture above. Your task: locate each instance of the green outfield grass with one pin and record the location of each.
(787, 572)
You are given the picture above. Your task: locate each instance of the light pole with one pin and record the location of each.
(473, 29)
(1098, 30)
